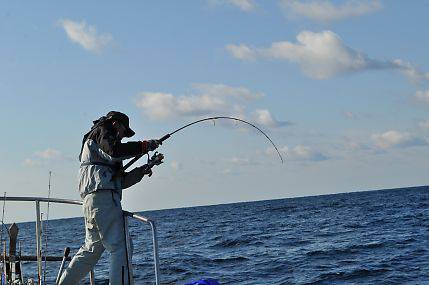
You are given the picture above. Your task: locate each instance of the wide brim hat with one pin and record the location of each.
(123, 119)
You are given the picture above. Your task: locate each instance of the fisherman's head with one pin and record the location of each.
(121, 123)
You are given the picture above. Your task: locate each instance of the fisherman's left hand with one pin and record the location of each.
(145, 170)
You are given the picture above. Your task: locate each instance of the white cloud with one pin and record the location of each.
(354, 146)
(350, 115)
(48, 154)
(306, 153)
(354, 143)
(264, 118)
(241, 161)
(41, 157)
(325, 11)
(299, 153)
(236, 164)
(85, 35)
(241, 51)
(409, 70)
(226, 91)
(323, 55)
(423, 95)
(31, 162)
(161, 106)
(244, 5)
(157, 105)
(394, 138)
(205, 100)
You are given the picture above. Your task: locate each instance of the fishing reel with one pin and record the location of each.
(155, 159)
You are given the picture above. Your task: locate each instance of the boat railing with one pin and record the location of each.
(126, 214)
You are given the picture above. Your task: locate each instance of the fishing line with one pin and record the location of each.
(208, 119)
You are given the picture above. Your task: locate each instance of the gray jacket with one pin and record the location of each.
(101, 158)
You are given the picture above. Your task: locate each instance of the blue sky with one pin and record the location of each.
(340, 86)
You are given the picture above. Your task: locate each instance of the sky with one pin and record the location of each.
(341, 87)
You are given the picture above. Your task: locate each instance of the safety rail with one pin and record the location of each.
(154, 239)
(126, 214)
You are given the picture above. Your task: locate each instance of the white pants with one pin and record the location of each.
(104, 227)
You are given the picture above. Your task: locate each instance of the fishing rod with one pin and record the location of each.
(161, 140)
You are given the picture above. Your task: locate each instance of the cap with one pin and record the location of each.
(123, 119)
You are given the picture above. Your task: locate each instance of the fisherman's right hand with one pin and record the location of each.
(152, 145)
(149, 145)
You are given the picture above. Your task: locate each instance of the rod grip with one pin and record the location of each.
(60, 272)
(66, 251)
(164, 138)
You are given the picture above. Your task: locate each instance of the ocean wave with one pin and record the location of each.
(346, 250)
(233, 243)
(358, 273)
(230, 259)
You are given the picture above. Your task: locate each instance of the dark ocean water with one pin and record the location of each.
(377, 237)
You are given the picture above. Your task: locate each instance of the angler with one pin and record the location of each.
(101, 181)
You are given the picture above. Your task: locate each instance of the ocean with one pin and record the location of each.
(372, 237)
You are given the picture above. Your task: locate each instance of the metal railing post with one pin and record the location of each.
(38, 243)
(91, 277)
(154, 239)
(155, 251)
(129, 251)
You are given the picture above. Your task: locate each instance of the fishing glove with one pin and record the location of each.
(135, 176)
(145, 170)
(152, 145)
(149, 145)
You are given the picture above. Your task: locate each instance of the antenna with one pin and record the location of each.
(46, 228)
(4, 244)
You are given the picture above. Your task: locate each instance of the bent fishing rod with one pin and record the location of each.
(161, 140)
